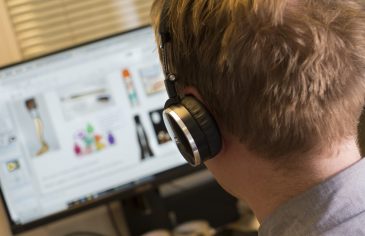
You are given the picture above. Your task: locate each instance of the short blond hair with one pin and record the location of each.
(283, 76)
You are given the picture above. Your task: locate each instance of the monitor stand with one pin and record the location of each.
(145, 211)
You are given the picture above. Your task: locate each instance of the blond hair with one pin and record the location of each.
(283, 76)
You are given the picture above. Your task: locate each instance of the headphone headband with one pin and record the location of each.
(165, 38)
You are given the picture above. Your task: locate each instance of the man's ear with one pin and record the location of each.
(190, 90)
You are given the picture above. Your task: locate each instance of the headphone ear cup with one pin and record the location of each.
(207, 125)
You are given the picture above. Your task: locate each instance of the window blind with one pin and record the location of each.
(43, 26)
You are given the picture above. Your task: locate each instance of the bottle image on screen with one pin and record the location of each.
(131, 90)
(32, 108)
(146, 151)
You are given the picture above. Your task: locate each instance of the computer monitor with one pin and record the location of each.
(81, 125)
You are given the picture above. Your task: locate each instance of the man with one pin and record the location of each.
(285, 82)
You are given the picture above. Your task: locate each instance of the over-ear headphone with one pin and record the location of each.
(193, 128)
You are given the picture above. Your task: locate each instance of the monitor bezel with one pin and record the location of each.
(130, 189)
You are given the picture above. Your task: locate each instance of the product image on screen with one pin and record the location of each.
(89, 139)
(159, 126)
(152, 78)
(143, 140)
(81, 124)
(34, 120)
(129, 87)
(85, 98)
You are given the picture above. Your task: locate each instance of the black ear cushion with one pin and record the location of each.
(206, 122)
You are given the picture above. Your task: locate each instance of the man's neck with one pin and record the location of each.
(265, 186)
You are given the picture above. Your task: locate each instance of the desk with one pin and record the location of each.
(94, 220)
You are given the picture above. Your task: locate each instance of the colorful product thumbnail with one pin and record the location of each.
(130, 88)
(12, 166)
(89, 140)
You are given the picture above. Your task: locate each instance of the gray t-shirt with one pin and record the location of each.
(334, 207)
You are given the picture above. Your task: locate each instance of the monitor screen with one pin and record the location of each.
(81, 123)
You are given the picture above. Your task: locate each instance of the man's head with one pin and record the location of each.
(284, 77)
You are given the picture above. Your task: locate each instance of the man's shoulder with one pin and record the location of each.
(352, 226)
(334, 207)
